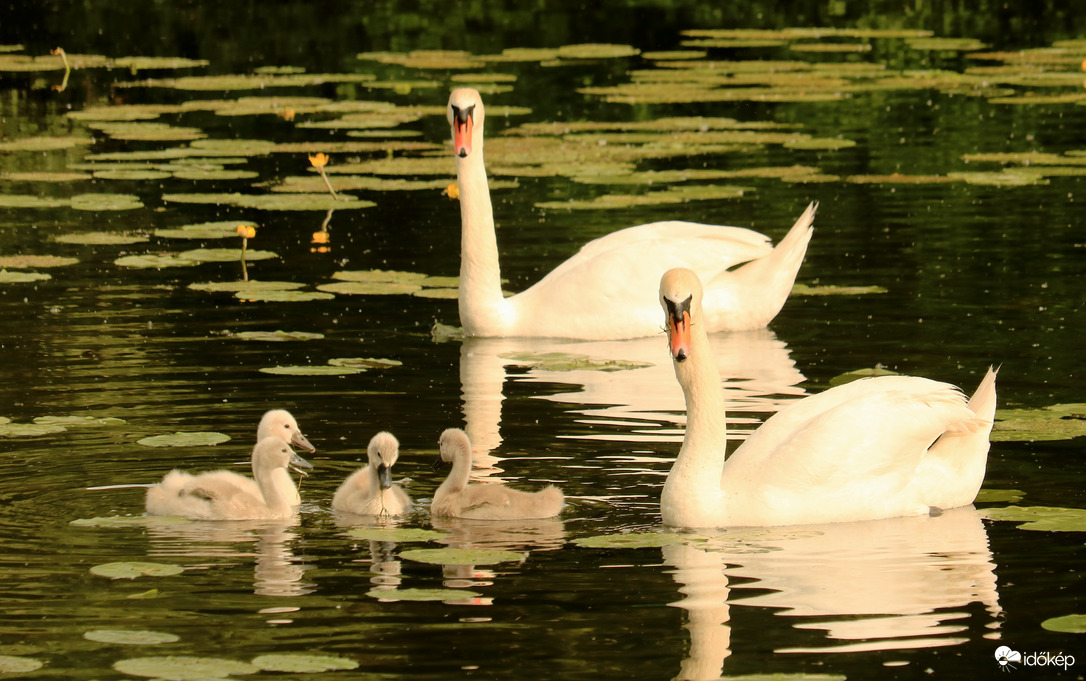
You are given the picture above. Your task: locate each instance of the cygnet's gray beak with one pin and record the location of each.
(297, 463)
(384, 476)
(299, 440)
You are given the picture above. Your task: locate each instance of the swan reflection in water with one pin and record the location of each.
(893, 584)
(757, 373)
(267, 543)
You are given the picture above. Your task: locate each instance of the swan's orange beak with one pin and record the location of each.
(678, 328)
(463, 122)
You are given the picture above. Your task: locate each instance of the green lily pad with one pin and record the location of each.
(132, 175)
(12, 664)
(28, 201)
(393, 595)
(396, 534)
(23, 261)
(850, 376)
(370, 288)
(205, 230)
(830, 290)
(100, 239)
(1041, 518)
(380, 276)
(946, 44)
(145, 63)
(570, 361)
(154, 261)
(252, 286)
(281, 296)
(305, 664)
(819, 143)
(322, 202)
(635, 540)
(45, 143)
(134, 569)
(185, 439)
(364, 363)
(99, 202)
(200, 174)
(277, 336)
(146, 131)
(44, 176)
(596, 51)
(78, 421)
(439, 293)
(130, 637)
(183, 668)
(462, 556)
(22, 277)
(225, 255)
(1057, 422)
(311, 370)
(990, 496)
(1067, 624)
(29, 429)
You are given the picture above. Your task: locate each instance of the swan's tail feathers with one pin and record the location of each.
(763, 284)
(983, 401)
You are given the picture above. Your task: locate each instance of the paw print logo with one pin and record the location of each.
(1006, 657)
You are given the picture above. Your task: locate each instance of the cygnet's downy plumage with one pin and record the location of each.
(456, 498)
(279, 422)
(369, 490)
(225, 495)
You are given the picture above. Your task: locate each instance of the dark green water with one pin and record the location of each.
(976, 274)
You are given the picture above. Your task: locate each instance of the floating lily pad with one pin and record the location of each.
(134, 637)
(989, 496)
(850, 376)
(44, 176)
(251, 286)
(462, 556)
(12, 664)
(259, 81)
(100, 239)
(45, 143)
(28, 201)
(946, 44)
(819, 143)
(78, 421)
(569, 361)
(1041, 518)
(183, 668)
(29, 429)
(281, 296)
(380, 276)
(634, 540)
(1067, 624)
(830, 290)
(596, 51)
(185, 439)
(303, 663)
(205, 230)
(22, 277)
(440, 293)
(370, 288)
(322, 202)
(276, 336)
(23, 261)
(132, 175)
(154, 261)
(364, 363)
(134, 569)
(145, 63)
(311, 370)
(99, 202)
(1057, 422)
(393, 595)
(225, 255)
(395, 534)
(147, 131)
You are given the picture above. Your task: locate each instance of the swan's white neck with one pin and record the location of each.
(274, 487)
(692, 495)
(458, 476)
(483, 310)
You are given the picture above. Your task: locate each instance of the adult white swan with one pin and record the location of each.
(874, 448)
(605, 291)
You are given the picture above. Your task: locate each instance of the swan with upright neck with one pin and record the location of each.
(280, 422)
(225, 495)
(874, 448)
(604, 292)
(370, 490)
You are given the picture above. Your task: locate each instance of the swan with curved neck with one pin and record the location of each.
(455, 498)
(370, 490)
(225, 495)
(874, 448)
(604, 292)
